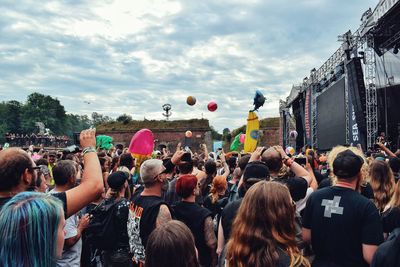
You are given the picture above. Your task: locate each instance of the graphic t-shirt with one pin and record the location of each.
(341, 220)
(143, 212)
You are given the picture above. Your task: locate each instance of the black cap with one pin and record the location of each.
(116, 179)
(347, 164)
(256, 170)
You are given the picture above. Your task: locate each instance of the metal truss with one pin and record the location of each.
(371, 97)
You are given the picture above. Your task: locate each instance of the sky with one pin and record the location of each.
(133, 56)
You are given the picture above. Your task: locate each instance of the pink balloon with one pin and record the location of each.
(242, 138)
(212, 106)
(142, 142)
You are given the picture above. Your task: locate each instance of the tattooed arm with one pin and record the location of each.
(211, 240)
(164, 216)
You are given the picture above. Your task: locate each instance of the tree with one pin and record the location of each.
(215, 135)
(124, 118)
(76, 123)
(226, 135)
(12, 116)
(45, 109)
(98, 118)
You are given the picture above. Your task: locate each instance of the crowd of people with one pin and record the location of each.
(187, 208)
(38, 139)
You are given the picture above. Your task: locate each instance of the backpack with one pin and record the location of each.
(101, 232)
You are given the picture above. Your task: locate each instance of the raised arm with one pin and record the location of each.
(386, 150)
(221, 239)
(309, 169)
(226, 167)
(91, 185)
(205, 151)
(211, 240)
(296, 168)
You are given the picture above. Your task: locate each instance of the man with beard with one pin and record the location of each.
(148, 211)
(18, 172)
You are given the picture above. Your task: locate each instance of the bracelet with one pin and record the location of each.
(288, 161)
(88, 150)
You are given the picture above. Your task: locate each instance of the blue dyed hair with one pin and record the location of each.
(28, 230)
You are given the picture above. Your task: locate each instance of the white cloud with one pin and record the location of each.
(131, 57)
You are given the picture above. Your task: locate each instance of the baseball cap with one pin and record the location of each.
(52, 153)
(347, 164)
(256, 170)
(116, 179)
(150, 169)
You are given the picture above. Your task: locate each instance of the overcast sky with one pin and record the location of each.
(131, 56)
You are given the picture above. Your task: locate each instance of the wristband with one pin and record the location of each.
(88, 150)
(288, 161)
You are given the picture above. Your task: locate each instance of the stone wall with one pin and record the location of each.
(168, 137)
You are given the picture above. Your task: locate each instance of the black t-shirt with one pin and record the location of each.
(297, 186)
(143, 212)
(341, 220)
(120, 220)
(61, 196)
(193, 215)
(227, 217)
(390, 219)
(388, 254)
(365, 189)
(216, 209)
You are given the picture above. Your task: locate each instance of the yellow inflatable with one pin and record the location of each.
(252, 132)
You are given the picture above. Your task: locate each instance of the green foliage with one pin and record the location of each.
(42, 108)
(98, 118)
(124, 118)
(215, 135)
(17, 117)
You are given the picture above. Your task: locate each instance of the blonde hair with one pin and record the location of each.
(395, 200)
(333, 154)
(382, 183)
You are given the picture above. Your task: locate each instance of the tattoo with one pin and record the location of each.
(210, 239)
(209, 234)
(164, 216)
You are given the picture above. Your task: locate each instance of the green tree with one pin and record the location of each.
(215, 135)
(124, 118)
(76, 123)
(98, 118)
(45, 109)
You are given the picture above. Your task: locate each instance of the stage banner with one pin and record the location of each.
(307, 117)
(354, 134)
